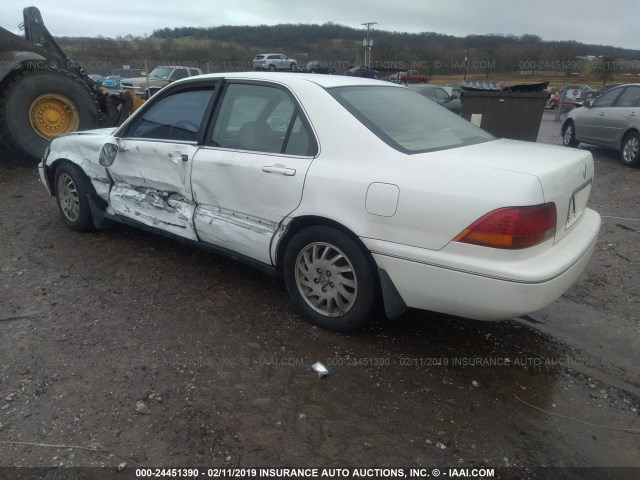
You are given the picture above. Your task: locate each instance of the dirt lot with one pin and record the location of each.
(139, 347)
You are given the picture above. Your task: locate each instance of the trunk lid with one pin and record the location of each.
(565, 174)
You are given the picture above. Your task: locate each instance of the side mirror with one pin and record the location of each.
(453, 97)
(586, 104)
(108, 152)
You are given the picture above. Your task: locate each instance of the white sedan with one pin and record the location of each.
(350, 188)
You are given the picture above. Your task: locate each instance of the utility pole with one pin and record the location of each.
(466, 65)
(368, 43)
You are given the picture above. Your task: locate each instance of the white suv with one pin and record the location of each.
(273, 62)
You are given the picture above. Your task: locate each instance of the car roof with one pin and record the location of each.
(292, 79)
(619, 86)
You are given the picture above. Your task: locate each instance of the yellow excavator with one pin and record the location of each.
(44, 93)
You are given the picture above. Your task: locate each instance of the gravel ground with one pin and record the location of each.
(144, 351)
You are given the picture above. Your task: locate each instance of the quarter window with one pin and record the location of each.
(176, 117)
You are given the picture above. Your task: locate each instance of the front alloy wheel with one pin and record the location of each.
(68, 197)
(329, 278)
(72, 189)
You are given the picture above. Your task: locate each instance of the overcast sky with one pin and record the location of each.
(587, 21)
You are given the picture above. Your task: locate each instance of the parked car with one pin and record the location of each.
(158, 78)
(273, 62)
(363, 72)
(112, 82)
(96, 78)
(319, 66)
(345, 186)
(612, 121)
(440, 96)
(410, 76)
(576, 93)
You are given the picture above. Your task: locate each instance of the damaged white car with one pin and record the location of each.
(350, 188)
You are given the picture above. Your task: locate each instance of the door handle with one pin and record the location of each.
(289, 172)
(601, 114)
(632, 114)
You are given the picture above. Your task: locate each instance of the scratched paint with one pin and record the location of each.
(169, 211)
(243, 233)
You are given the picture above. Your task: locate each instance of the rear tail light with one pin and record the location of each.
(512, 227)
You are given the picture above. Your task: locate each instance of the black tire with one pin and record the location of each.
(19, 94)
(72, 189)
(272, 68)
(569, 135)
(293, 67)
(630, 151)
(355, 270)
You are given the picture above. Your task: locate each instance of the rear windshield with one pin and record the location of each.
(406, 120)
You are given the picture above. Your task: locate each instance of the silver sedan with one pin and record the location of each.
(611, 121)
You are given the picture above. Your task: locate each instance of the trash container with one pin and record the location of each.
(507, 112)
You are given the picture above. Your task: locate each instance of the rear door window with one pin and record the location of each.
(608, 99)
(629, 98)
(261, 118)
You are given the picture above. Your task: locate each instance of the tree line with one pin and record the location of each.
(232, 48)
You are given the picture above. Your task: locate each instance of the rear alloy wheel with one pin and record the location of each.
(72, 188)
(329, 279)
(569, 135)
(630, 153)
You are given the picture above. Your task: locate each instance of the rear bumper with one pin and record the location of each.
(442, 281)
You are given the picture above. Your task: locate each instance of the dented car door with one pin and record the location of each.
(250, 173)
(151, 173)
